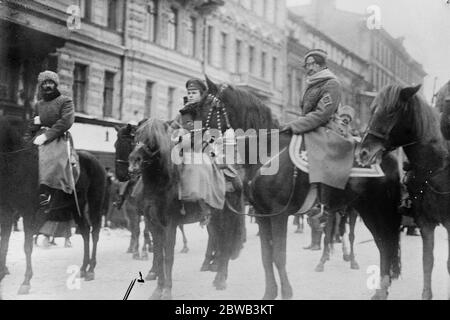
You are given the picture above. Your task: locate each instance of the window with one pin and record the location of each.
(148, 99)
(263, 64)
(210, 44)
(192, 36)
(238, 55)
(79, 87)
(86, 9)
(264, 8)
(172, 28)
(170, 101)
(251, 59)
(112, 14)
(152, 9)
(274, 70)
(224, 49)
(108, 94)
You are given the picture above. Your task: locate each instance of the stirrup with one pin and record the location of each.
(310, 199)
(44, 199)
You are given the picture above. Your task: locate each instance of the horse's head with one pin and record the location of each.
(393, 123)
(124, 146)
(152, 153)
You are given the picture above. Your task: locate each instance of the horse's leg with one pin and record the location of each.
(265, 236)
(223, 238)
(169, 253)
(90, 275)
(345, 239)
(158, 263)
(157, 251)
(135, 231)
(185, 241)
(447, 226)
(209, 254)
(279, 232)
(5, 234)
(427, 231)
(328, 239)
(352, 223)
(85, 233)
(28, 248)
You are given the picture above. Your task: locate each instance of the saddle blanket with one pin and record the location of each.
(300, 159)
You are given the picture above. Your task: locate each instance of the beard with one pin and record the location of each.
(49, 94)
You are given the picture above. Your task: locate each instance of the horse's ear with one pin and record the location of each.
(212, 87)
(117, 128)
(408, 92)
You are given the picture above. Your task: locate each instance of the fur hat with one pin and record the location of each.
(195, 84)
(48, 75)
(317, 52)
(348, 111)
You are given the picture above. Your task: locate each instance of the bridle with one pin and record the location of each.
(151, 154)
(132, 145)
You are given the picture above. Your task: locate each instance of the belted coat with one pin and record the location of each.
(330, 154)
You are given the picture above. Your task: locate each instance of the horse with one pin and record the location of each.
(152, 158)
(279, 195)
(19, 190)
(402, 118)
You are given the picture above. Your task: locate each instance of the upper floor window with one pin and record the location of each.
(251, 59)
(152, 9)
(172, 28)
(238, 55)
(79, 87)
(192, 36)
(224, 49)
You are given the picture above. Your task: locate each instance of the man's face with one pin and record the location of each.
(194, 95)
(48, 86)
(311, 66)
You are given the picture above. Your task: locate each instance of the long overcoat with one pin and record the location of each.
(330, 155)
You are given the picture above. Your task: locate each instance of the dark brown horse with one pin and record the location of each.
(403, 119)
(19, 191)
(279, 195)
(163, 209)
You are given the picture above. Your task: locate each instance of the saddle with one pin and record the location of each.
(299, 157)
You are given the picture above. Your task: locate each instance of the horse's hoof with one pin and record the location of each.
(24, 289)
(83, 274)
(136, 256)
(380, 295)
(90, 275)
(205, 267)
(130, 250)
(184, 250)
(287, 294)
(213, 267)
(166, 294)
(156, 295)
(427, 295)
(354, 265)
(347, 258)
(151, 276)
(220, 285)
(320, 268)
(269, 296)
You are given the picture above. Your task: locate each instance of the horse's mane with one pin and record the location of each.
(425, 118)
(153, 133)
(246, 111)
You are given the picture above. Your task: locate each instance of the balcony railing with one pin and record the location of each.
(260, 86)
(203, 6)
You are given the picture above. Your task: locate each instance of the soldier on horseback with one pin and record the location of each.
(54, 115)
(330, 154)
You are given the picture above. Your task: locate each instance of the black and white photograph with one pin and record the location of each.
(216, 152)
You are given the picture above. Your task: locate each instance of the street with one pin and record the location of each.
(55, 269)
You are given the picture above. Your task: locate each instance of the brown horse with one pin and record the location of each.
(19, 191)
(163, 209)
(279, 195)
(403, 119)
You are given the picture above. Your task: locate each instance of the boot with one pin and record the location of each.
(45, 196)
(205, 212)
(316, 240)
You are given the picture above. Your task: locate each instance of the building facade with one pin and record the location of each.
(388, 61)
(123, 61)
(350, 68)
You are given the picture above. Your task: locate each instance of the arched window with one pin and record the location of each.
(172, 28)
(152, 9)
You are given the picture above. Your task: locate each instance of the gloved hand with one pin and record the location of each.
(37, 120)
(40, 140)
(286, 129)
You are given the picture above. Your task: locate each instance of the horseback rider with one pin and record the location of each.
(201, 181)
(330, 154)
(443, 105)
(55, 115)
